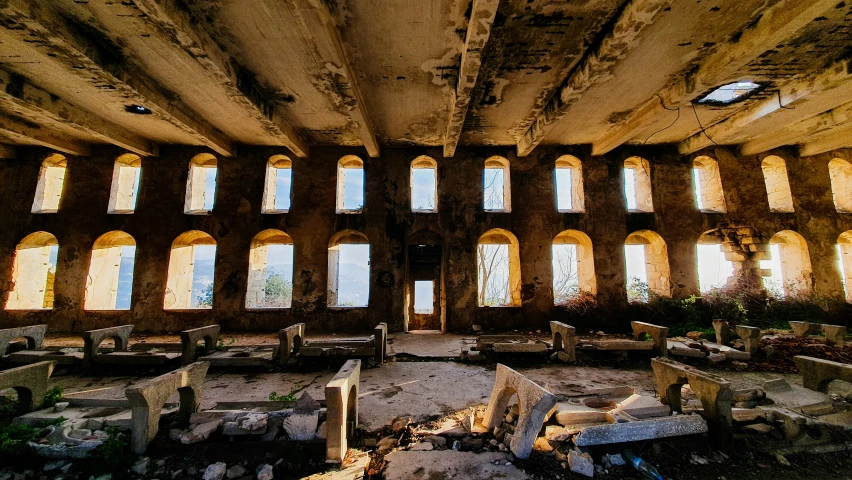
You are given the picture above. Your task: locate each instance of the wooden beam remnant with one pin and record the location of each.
(478, 31)
(171, 18)
(832, 140)
(19, 96)
(26, 133)
(596, 67)
(32, 23)
(777, 23)
(791, 93)
(801, 131)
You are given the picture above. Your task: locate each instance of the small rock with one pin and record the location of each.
(421, 447)
(581, 463)
(509, 418)
(177, 473)
(696, 459)
(541, 444)
(301, 426)
(562, 356)
(306, 404)
(615, 460)
(386, 444)
(106, 476)
(476, 328)
(696, 335)
(175, 434)
(437, 441)
(141, 466)
(51, 466)
(272, 432)
(472, 444)
(236, 471)
(255, 422)
(95, 424)
(475, 356)
(200, 432)
(782, 460)
(739, 365)
(60, 406)
(716, 357)
(264, 472)
(215, 471)
(400, 423)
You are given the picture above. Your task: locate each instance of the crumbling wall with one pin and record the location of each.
(388, 223)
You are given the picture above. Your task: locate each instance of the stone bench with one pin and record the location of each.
(834, 334)
(657, 333)
(120, 355)
(34, 336)
(341, 398)
(534, 403)
(723, 331)
(30, 382)
(147, 400)
(189, 342)
(750, 337)
(289, 342)
(714, 392)
(373, 346)
(509, 343)
(818, 373)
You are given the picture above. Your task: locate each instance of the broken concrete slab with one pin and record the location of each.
(189, 342)
(564, 339)
(289, 342)
(581, 463)
(657, 333)
(525, 347)
(663, 427)
(714, 392)
(148, 398)
(641, 407)
(29, 382)
(750, 337)
(405, 465)
(818, 373)
(834, 334)
(34, 336)
(239, 357)
(341, 396)
(534, 404)
(800, 329)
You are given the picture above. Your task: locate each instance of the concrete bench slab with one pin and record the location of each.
(239, 358)
(534, 404)
(34, 336)
(834, 334)
(30, 382)
(189, 342)
(818, 373)
(135, 358)
(380, 342)
(750, 337)
(723, 331)
(618, 344)
(657, 333)
(641, 430)
(92, 340)
(714, 392)
(341, 397)
(525, 347)
(34, 356)
(290, 342)
(564, 339)
(147, 400)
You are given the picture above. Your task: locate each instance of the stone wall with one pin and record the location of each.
(388, 222)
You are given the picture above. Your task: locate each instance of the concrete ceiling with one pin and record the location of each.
(302, 73)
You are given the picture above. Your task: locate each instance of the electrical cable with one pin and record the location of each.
(779, 102)
(702, 126)
(670, 125)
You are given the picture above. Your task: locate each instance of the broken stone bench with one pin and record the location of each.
(189, 342)
(834, 334)
(510, 344)
(750, 337)
(564, 341)
(120, 355)
(341, 398)
(147, 400)
(818, 373)
(714, 392)
(31, 348)
(714, 352)
(289, 342)
(30, 382)
(641, 331)
(374, 346)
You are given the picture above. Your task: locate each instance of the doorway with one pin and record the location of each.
(424, 303)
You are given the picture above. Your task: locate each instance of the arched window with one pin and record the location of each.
(569, 184)
(840, 172)
(34, 273)
(51, 179)
(573, 267)
(777, 184)
(844, 253)
(270, 279)
(189, 285)
(110, 280)
(348, 269)
(708, 185)
(497, 195)
(201, 185)
(637, 185)
(277, 191)
(499, 268)
(350, 185)
(424, 185)
(714, 269)
(789, 266)
(125, 184)
(647, 266)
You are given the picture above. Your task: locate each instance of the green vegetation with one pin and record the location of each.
(290, 397)
(52, 396)
(221, 345)
(112, 456)
(278, 291)
(206, 297)
(14, 438)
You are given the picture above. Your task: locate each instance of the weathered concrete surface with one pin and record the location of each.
(750, 337)
(92, 340)
(341, 396)
(449, 345)
(189, 342)
(30, 383)
(657, 333)
(405, 465)
(642, 430)
(818, 373)
(564, 339)
(290, 341)
(34, 336)
(723, 331)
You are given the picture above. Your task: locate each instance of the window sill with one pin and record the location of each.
(349, 212)
(28, 309)
(206, 309)
(499, 306)
(266, 309)
(198, 212)
(120, 212)
(346, 307)
(274, 212)
(424, 211)
(498, 211)
(105, 310)
(571, 211)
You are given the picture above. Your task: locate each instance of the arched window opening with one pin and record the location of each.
(278, 187)
(350, 185)
(34, 273)
(109, 284)
(844, 256)
(499, 267)
(573, 267)
(708, 185)
(51, 179)
(777, 184)
(496, 188)
(569, 184)
(647, 266)
(840, 172)
(189, 285)
(125, 184)
(714, 269)
(201, 185)
(348, 270)
(424, 185)
(789, 266)
(270, 279)
(637, 185)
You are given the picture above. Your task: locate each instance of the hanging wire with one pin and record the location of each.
(783, 106)
(702, 126)
(670, 125)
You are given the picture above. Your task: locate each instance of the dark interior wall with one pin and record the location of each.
(387, 222)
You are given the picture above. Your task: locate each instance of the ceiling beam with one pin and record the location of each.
(788, 96)
(839, 138)
(595, 67)
(178, 25)
(8, 151)
(798, 132)
(27, 133)
(41, 26)
(478, 31)
(775, 25)
(24, 99)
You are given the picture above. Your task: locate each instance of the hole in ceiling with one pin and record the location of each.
(731, 93)
(138, 109)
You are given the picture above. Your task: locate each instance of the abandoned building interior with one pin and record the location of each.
(539, 189)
